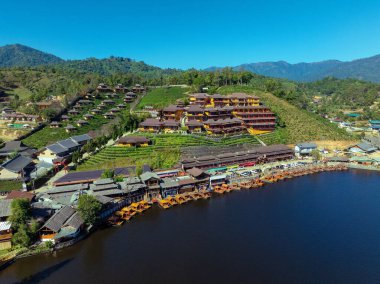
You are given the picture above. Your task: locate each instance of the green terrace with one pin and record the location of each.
(166, 145)
(49, 135)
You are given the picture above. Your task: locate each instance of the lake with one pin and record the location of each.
(323, 228)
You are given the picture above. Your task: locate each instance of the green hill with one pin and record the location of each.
(20, 55)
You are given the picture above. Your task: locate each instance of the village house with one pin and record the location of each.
(5, 235)
(65, 224)
(65, 118)
(172, 112)
(305, 148)
(12, 147)
(152, 181)
(195, 112)
(73, 112)
(133, 141)
(121, 106)
(88, 116)
(108, 102)
(201, 99)
(151, 125)
(109, 115)
(224, 126)
(362, 148)
(96, 111)
(169, 187)
(81, 123)
(103, 88)
(194, 126)
(128, 99)
(170, 126)
(55, 124)
(375, 125)
(90, 176)
(20, 117)
(138, 89)
(119, 88)
(17, 167)
(218, 100)
(54, 152)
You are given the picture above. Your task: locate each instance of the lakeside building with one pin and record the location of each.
(305, 148)
(257, 155)
(90, 176)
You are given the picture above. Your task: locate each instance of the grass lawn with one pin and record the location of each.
(8, 185)
(161, 97)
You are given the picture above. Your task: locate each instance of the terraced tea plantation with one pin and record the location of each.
(165, 145)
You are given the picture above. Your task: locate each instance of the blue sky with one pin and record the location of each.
(184, 34)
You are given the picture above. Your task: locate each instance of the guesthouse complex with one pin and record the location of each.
(236, 113)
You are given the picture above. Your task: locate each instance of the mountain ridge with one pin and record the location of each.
(364, 69)
(367, 69)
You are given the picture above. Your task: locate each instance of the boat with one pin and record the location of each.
(171, 200)
(164, 204)
(218, 189)
(145, 204)
(137, 207)
(180, 199)
(226, 187)
(114, 220)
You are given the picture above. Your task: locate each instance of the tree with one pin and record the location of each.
(108, 174)
(316, 154)
(88, 208)
(20, 213)
(22, 236)
(75, 157)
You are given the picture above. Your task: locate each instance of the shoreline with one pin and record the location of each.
(265, 179)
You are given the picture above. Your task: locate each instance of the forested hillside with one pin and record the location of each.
(20, 55)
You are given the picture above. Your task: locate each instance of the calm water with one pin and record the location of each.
(316, 229)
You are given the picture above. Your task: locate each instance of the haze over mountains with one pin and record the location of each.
(365, 69)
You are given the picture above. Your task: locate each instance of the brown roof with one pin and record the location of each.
(195, 172)
(195, 108)
(217, 96)
(172, 108)
(151, 122)
(171, 123)
(134, 139)
(194, 123)
(15, 194)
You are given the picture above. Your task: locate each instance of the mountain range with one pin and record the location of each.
(367, 69)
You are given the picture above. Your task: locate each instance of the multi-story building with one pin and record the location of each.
(172, 112)
(257, 119)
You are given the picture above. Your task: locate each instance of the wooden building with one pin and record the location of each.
(133, 141)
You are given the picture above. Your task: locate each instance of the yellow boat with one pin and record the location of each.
(164, 204)
(137, 207)
(171, 200)
(145, 204)
(180, 199)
